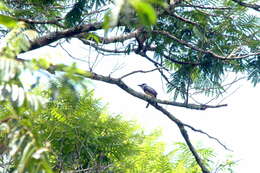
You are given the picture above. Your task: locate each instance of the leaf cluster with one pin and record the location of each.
(228, 33)
(12, 85)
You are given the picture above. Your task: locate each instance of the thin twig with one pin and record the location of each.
(229, 95)
(73, 57)
(138, 71)
(205, 7)
(53, 22)
(209, 136)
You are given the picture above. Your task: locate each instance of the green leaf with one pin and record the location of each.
(145, 12)
(3, 7)
(16, 143)
(198, 33)
(15, 93)
(74, 16)
(92, 36)
(42, 62)
(107, 19)
(180, 168)
(27, 153)
(21, 97)
(8, 21)
(4, 128)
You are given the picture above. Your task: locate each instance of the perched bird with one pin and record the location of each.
(148, 91)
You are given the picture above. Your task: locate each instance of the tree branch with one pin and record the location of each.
(98, 48)
(114, 39)
(185, 135)
(67, 33)
(209, 136)
(122, 85)
(180, 62)
(168, 10)
(183, 19)
(54, 21)
(138, 71)
(169, 35)
(205, 7)
(253, 6)
(116, 51)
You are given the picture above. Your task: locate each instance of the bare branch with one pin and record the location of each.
(209, 136)
(54, 21)
(229, 95)
(179, 17)
(138, 71)
(70, 55)
(183, 19)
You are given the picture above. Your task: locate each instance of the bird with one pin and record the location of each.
(148, 91)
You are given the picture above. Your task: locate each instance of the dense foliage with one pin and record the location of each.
(76, 133)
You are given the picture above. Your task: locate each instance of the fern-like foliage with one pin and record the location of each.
(222, 31)
(25, 151)
(185, 163)
(13, 88)
(254, 71)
